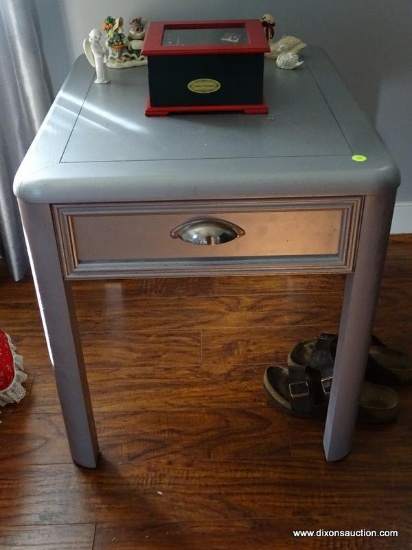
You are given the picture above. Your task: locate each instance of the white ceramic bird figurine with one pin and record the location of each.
(286, 45)
(288, 60)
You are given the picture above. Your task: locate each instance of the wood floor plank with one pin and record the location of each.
(202, 387)
(33, 438)
(190, 435)
(158, 346)
(208, 286)
(47, 537)
(218, 312)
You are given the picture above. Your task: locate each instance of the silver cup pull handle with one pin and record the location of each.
(207, 231)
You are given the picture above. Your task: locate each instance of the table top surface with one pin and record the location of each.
(97, 145)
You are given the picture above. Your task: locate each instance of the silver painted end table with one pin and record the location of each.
(105, 192)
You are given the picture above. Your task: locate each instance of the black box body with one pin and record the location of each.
(231, 79)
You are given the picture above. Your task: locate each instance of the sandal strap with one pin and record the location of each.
(299, 390)
(323, 359)
(305, 393)
(310, 386)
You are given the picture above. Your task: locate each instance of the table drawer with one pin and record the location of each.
(205, 238)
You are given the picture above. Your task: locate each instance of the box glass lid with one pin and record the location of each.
(218, 35)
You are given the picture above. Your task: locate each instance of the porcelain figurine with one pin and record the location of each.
(288, 60)
(96, 55)
(137, 32)
(137, 29)
(116, 40)
(124, 51)
(286, 52)
(286, 44)
(268, 24)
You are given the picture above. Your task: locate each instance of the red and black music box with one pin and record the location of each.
(197, 66)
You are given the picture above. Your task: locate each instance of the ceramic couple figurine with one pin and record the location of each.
(96, 55)
(124, 50)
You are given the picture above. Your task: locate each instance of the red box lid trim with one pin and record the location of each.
(257, 42)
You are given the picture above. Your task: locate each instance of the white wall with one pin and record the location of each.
(370, 42)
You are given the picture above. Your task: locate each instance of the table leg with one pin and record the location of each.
(60, 326)
(358, 313)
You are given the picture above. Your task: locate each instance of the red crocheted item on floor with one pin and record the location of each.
(12, 373)
(7, 371)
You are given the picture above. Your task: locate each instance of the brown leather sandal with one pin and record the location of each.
(385, 366)
(303, 392)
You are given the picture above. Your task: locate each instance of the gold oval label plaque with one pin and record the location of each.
(204, 86)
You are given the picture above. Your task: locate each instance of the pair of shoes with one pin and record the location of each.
(303, 388)
(385, 366)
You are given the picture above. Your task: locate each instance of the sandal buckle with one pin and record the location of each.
(326, 384)
(298, 389)
(328, 336)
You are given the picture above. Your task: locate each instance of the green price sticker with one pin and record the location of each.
(359, 158)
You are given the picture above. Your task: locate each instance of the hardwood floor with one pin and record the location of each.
(194, 453)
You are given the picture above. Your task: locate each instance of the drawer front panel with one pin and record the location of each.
(139, 239)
